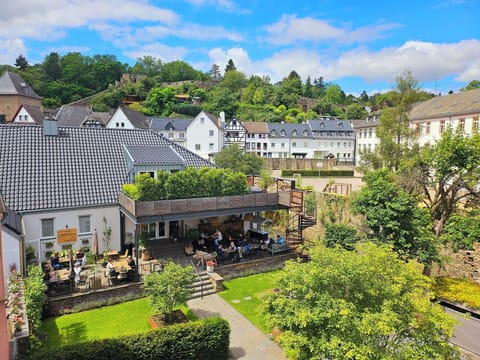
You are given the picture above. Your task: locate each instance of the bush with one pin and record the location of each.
(458, 290)
(321, 173)
(205, 339)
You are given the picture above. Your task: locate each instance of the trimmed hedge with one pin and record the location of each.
(321, 173)
(207, 339)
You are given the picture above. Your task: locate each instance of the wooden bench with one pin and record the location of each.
(276, 248)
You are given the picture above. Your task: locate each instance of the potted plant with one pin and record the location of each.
(49, 244)
(30, 253)
(145, 242)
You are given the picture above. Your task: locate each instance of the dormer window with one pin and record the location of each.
(340, 125)
(294, 133)
(305, 133)
(273, 133)
(283, 133)
(322, 124)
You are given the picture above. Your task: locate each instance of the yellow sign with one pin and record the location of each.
(66, 235)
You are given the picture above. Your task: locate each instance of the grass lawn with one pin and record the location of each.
(245, 295)
(127, 318)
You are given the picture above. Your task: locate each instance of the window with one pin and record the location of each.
(123, 124)
(47, 228)
(197, 147)
(427, 128)
(475, 124)
(283, 133)
(360, 133)
(461, 124)
(181, 135)
(210, 133)
(285, 154)
(247, 145)
(84, 224)
(25, 118)
(210, 146)
(294, 133)
(442, 126)
(202, 120)
(150, 229)
(161, 229)
(170, 135)
(305, 145)
(370, 132)
(272, 145)
(117, 124)
(294, 144)
(282, 145)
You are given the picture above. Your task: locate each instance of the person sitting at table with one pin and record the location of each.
(79, 257)
(220, 254)
(280, 240)
(131, 262)
(217, 238)
(77, 269)
(246, 249)
(56, 261)
(110, 268)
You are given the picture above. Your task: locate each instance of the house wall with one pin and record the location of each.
(200, 140)
(10, 254)
(33, 228)
(9, 104)
(23, 117)
(119, 121)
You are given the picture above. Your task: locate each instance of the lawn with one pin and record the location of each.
(245, 295)
(127, 318)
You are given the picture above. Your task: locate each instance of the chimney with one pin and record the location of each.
(50, 127)
(222, 117)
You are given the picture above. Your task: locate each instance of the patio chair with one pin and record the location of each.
(125, 254)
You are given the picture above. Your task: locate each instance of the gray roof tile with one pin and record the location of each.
(162, 124)
(12, 84)
(154, 155)
(80, 167)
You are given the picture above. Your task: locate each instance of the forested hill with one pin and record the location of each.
(65, 79)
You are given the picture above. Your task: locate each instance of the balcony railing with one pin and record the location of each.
(204, 204)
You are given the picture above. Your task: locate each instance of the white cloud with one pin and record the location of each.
(11, 48)
(291, 29)
(41, 20)
(159, 51)
(226, 5)
(427, 61)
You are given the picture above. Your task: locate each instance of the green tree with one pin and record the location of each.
(363, 304)
(340, 235)
(446, 175)
(215, 73)
(169, 288)
(394, 217)
(395, 133)
(21, 62)
(230, 66)
(462, 231)
(51, 67)
(235, 158)
(221, 98)
(335, 94)
(472, 85)
(178, 71)
(147, 65)
(355, 111)
(160, 101)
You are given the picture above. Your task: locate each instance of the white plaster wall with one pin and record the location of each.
(198, 132)
(10, 254)
(119, 118)
(33, 227)
(22, 113)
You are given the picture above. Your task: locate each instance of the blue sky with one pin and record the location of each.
(359, 45)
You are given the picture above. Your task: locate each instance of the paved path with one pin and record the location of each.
(247, 342)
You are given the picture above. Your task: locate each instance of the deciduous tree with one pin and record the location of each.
(235, 158)
(363, 304)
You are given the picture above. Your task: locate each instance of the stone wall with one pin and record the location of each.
(464, 264)
(61, 304)
(265, 264)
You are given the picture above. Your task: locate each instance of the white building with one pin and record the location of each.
(125, 118)
(205, 135)
(366, 135)
(60, 183)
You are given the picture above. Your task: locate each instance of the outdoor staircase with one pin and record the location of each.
(202, 286)
(299, 220)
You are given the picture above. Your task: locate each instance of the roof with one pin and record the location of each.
(138, 120)
(330, 125)
(256, 127)
(289, 129)
(462, 103)
(35, 113)
(12, 84)
(209, 116)
(159, 124)
(154, 155)
(72, 115)
(79, 168)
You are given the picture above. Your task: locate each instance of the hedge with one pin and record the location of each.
(207, 339)
(321, 173)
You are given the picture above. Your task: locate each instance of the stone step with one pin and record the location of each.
(201, 294)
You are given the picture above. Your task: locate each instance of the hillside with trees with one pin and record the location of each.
(73, 76)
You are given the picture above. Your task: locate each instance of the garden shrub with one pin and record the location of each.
(207, 339)
(457, 290)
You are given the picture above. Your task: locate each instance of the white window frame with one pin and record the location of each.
(84, 220)
(47, 226)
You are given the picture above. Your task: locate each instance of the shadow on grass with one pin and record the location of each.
(74, 333)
